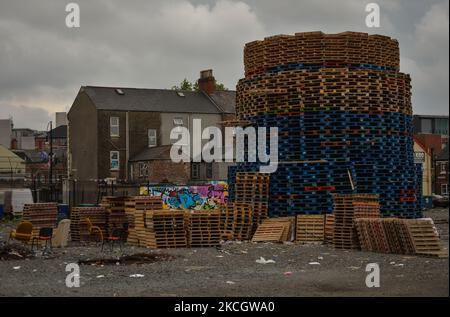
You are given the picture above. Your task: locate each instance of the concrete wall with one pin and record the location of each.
(82, 139)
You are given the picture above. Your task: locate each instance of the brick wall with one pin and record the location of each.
(162, 171)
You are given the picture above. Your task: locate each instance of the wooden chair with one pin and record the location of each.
(94, 229)
(23, 232)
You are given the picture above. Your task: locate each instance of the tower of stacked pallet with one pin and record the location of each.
(41, 215)
(344, 117)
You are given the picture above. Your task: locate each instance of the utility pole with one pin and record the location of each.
(50, 176)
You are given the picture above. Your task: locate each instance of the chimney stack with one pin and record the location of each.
(207, 82)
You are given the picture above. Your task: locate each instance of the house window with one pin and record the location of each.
(209, 170)
(114, 160)
(443, 167)
(143, 170)
(152, 142)
(195, 172)
(444, 189)
(114, 126)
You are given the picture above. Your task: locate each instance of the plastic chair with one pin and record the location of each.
(117, 235)
(94, 229)
(23, 232)
(45, 234)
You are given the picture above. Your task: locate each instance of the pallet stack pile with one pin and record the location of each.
(344, 117)
(347, 208)
(115, 211)
(141, 204)
(275, 230)
(130, 210)
(203, 228)
(253, 188)
(329, 229)
(242, 221)
(310, 228)
(165, 229)
(400, 236)
(78, 225)
(41, 215)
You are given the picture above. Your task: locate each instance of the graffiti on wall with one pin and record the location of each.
(199, 197)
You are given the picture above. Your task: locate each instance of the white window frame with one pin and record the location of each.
(152, 140)
(143, 169)
(111, 160)
(444, 189)
(442, 167)
(114, 125)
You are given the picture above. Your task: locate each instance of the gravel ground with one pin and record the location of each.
(231, 271)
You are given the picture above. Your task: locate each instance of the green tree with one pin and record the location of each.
(193, 86)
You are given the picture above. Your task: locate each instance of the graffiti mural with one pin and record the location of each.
(199, 197)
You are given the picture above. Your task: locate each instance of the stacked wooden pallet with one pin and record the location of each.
(242, 220)
(372, 236)
(310, 228)
(227, 221)
(400, 236)
(130, 209)
(78, 225)
(329, 228)
(252, 187)
(260, 213)
(165, 229)
(275, 230)
(347, 208)
(319, 48)
(115, 210)
(203, 228)
(135, 208)
(425, 238)
(41, 215)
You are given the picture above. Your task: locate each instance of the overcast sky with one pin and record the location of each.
(155, 44)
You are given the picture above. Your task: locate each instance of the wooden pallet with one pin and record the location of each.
(270, 232)
(329, 228)
(41, 215)
(425, 237)
(203, 228)
(287, 222)
(310, 228)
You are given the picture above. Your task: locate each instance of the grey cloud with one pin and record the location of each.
(157, 43)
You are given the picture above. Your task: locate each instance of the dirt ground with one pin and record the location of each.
(230, 270)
